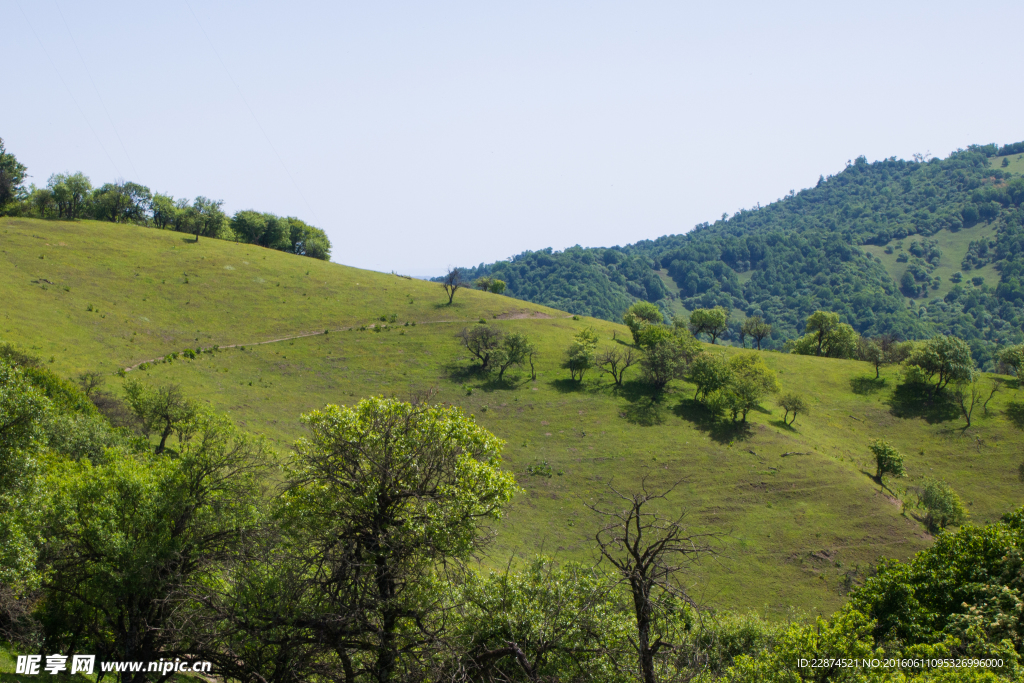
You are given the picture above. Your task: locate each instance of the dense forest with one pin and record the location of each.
(805, 253)
(71, 196)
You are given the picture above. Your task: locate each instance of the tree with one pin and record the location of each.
(163, 411)
(943, 505)
(497, 286)
(752, 381)
(1013, 357)
(649, 553)
(22, 410)
(12, 177)
(615, 363)
(126, 540)
(165, 211)
(756, 328)
(482, 341)
(888, 460)
(206, 218)
(380, 494)
(451, 283)
(307, 240)
(947, 357)
(792, 403)
(710, 321)
(579, 357)
(122, 202)
(514, 350)
(710, 373)
(70, 193)
(884, 350)
(666, 355)
(828, 336)
(968, 395)
(639, 316)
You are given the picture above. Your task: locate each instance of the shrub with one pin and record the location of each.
(943, 505)
(887, 459)
(792, 403)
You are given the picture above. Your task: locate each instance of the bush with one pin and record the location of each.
(942, 503)
(887, 459)
(792, 403)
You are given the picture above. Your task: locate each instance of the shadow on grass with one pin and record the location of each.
(645, 404)
(457, 372)
(783, 425)
(566, 386)
(720, 429)
(1015, 414)
(920, 400)
(867, 385)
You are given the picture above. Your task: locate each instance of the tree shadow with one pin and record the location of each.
(920, 400)
(644, 403)
(782, 424)
(464, 373)
(714, 425)
(1015, 414)
(867, 385)
(566, 385)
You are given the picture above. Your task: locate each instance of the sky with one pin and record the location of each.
(423, 135)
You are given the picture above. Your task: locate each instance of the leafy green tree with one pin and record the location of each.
(548, 622)
(945, 357)
(165, 211)
(128, 541)
(162, 411)
(380, 494)
(792, 403)
(206, 218)
(888, 460)
(122, 202)
(1013, 357)
(828, 336)
(752, 381)
(22, 410)
(513, 350)
(12, 177)
(639, 316)
(307, 240)
(942, 504)
(70, 194)
(497, 286)
(710, 373)
(757, 329)
(884, 350)
(710, 321)
(483, 341)
(579, 357)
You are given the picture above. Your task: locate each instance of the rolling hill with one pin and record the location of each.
(280, 334)
(909, 247)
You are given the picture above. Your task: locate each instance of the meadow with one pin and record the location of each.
(800, 515)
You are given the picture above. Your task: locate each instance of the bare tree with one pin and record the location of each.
(649, 553)
(452, 283)
(615, 363)
(90, 382)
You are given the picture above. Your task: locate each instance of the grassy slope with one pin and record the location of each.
(953, 246)
(797, 524)
(1016, 163)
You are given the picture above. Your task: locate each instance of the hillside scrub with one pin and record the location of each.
(813, 250)
(358, 568)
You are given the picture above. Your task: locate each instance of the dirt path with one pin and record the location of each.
(340, 329)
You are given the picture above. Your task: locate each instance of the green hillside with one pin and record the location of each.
(834, 246)
(802, 514)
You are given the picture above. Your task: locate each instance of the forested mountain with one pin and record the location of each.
(911, 247)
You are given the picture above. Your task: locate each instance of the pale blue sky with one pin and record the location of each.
(423, 134)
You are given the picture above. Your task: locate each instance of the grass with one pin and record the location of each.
(953, 246)
(797, 505)
(1016, 164)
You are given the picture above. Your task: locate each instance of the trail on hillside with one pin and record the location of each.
(346, 329)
